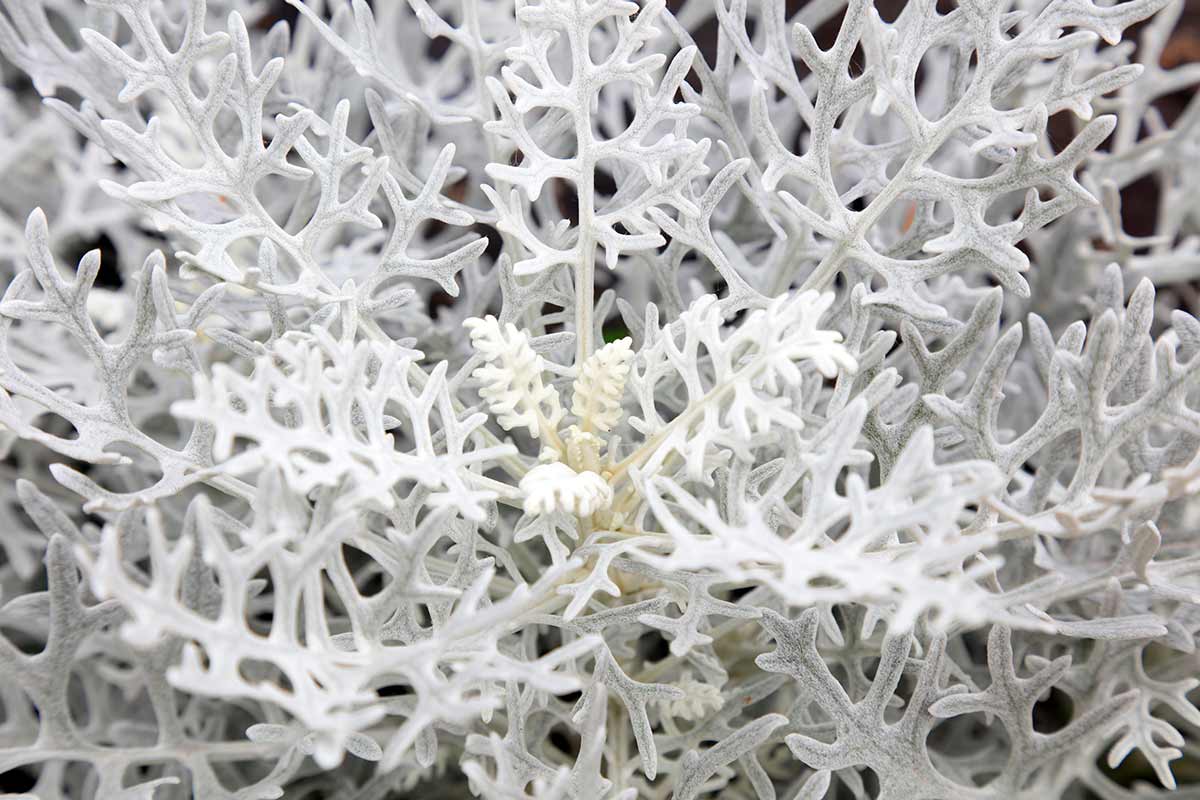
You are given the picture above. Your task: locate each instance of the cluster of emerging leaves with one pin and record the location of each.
(586, 400)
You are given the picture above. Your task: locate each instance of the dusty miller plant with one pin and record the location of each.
(586, 399)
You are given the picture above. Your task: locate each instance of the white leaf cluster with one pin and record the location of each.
(556, 487)
(511, 378)
(599, 399)
(598, 390)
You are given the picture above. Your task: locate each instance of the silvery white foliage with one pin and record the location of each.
(723, 388)
(600, 386)
(512, 379)
(323, 412)
(842, 549)
(595, 399)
